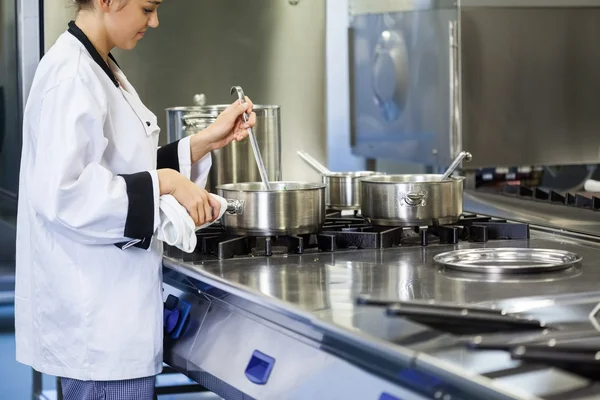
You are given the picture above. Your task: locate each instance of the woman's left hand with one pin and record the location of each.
(230, 125)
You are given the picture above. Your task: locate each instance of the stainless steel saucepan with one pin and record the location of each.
(343, 188)
(289, 208)
(412, 200)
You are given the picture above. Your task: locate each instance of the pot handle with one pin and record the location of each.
(197, 120)
(235, 207)
(415, 199)
(199, 116)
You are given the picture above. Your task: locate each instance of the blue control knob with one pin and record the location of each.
(184, 318)
(176, 316)
(171, 317)
(171, 302)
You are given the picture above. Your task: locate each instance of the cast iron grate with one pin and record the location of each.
(344, 233)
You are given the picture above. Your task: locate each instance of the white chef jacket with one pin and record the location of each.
(88, 300)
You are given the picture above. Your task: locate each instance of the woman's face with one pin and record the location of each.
(129, 19)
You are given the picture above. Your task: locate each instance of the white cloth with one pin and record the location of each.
(592, 186)
(84, 308)
(176, 227)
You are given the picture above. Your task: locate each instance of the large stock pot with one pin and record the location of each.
(235, 162)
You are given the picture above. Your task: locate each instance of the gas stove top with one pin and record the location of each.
(527, 333)
(346, 232)
(393, 290)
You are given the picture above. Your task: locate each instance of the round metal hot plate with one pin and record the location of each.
(507, 260)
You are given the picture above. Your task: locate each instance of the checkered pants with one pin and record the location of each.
(132, 389)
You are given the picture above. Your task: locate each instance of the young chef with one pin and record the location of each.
(88, 293)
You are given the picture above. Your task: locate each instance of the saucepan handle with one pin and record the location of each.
(415, 199)
(235, 207)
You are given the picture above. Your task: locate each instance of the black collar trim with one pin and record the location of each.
(79, 35)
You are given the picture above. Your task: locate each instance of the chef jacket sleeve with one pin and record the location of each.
(197, 172)
(167, 156)
(177, 156)
(70, 187)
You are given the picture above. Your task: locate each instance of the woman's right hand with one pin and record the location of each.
(199, 204)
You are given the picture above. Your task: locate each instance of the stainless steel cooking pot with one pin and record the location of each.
(289, 208)
(412, 200)
(234, 162)
(343, 188)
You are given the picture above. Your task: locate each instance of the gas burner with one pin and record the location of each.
(553, 197)
(342, 232)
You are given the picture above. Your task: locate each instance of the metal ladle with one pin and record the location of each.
(317, 166)
(464, 155)
(259, 161)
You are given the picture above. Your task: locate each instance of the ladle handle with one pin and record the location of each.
(255, 149)
(317, 166)
(464, 155)
(259, 160)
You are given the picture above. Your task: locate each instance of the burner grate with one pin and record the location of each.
(353, 232)
(475, 229)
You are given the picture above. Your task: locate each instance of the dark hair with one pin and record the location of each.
(81, 4)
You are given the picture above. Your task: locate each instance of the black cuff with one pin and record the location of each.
(140, 211)
(168, 156)
(141, 244)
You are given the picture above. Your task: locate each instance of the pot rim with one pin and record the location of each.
(239, 187)
(221, 107)
(376, 179)
(355, 174)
